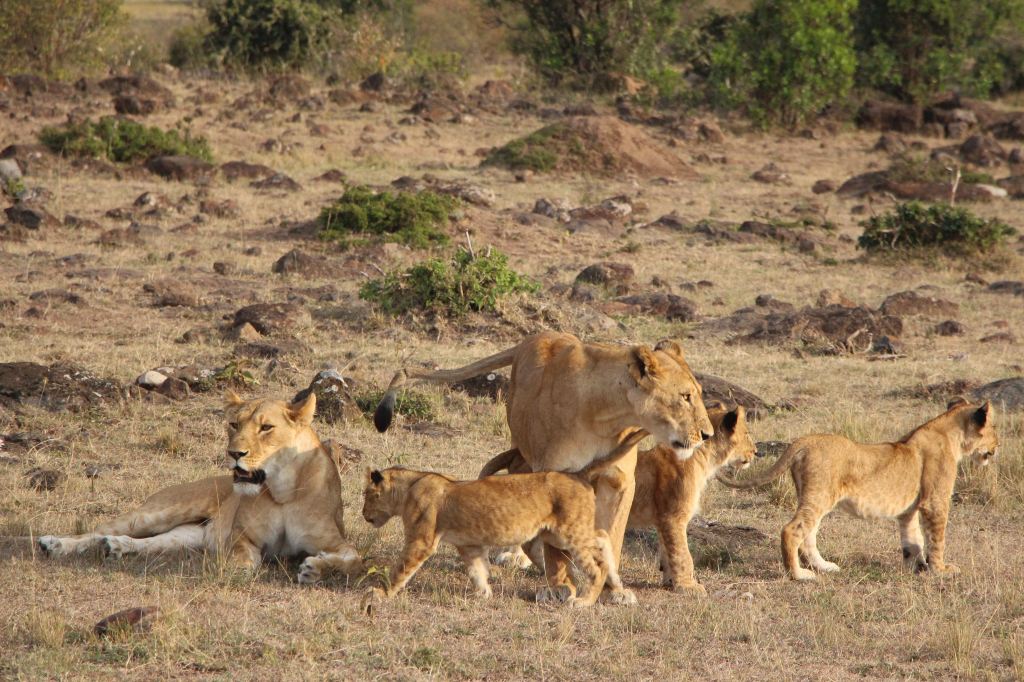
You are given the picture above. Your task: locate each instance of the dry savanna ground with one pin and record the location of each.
(102, 310)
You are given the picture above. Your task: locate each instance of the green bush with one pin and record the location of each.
(786, 60)
(449, 287)
(591, 42)
(534, 152)
(417, 219)
(57, 38)
(914, 49)
(951, 228)
(122, 140)
(412, 404)
(253, 34)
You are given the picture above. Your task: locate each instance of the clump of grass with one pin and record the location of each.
(949, 228)
(916, 168)
(412, 404)
(44, 629)
(533, 152)
(414, 218)
(122, 140)
(450, 287)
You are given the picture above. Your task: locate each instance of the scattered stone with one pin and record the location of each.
(222, 268)
(332, 175)
(891, 144)
(889, 116)
(772, 303)
(79, 223)
(616, 278)
(151, 379)
(831, 329)
(277, 181)
(244, 332)
(1014, 186)
(913, 303)
(235, 170)
(1006, 394)
(493, 385)
(175, 389)
(731, 395)
(226, 208)
(334, 401)
(56, 388)
(179, 168)
(273, 318)
(824, 186)
(883, 345)
(669, 306)
(30, 216)
(982, 150)
(301, 263)
(54, 296)
(558, 209)
(40, 479)
(772, 175)
(950, 328)
(172, 293)
(1007, 287)
(139, 619)
(828, 297)
(9, 170)
(999, 337)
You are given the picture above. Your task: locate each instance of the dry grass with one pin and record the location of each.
(871, 620)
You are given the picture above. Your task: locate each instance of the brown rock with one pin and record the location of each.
(982, 150)
(173, 388)
(277, 181)
(950, 328)
(772, 175)
(139, 619)
(172, 293)
(179, 167)
(669, 306)
(334, 400)
(226, 208)
(879, 115)
(300, 263)
(823, 186)
(1007, 287)
(273, 318)
(40, 479)
(493, 385)
(1014, 186)
(614, 277)
(913, 303)
(832, 328)
(999, 337)
(56, 388)
(828, 297)
(234, 170)
(731, 395)
(30, 216)
(1006, 394)
(890, 144)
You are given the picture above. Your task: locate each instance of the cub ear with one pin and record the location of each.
(671, 347)
(982, 414)
(960, 400)
(645, 363)
(302, 412)
(232, 399)
(730, 419)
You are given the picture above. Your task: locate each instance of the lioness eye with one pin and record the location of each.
(233, 426)
(266, 427)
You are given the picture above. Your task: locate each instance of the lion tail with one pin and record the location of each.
(499, 463)
(385, 411)
(782, 464)
(598, 466)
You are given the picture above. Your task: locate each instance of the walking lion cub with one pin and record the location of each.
(499, 510)
(910, 480)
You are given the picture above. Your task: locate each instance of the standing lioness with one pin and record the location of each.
(570, 403)
(282, 499)
(910, 480)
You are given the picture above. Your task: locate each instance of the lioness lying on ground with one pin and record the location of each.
(571, 402)
(282, 499)
(499, 510)
(668, 490)
(911, 480)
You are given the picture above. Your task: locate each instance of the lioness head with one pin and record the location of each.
(258, 431)
(667, 398)
(732, 441)
(980, 439)
(380, 501)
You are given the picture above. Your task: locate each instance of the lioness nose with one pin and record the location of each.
(705, 435)
(237, 454)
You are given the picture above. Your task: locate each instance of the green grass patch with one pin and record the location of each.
(948, 228)
(417, 219)
(533, 152)
(412, 404)
(451, 287)
(122, 140)
(916, 168)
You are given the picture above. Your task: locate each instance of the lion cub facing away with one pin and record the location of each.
(501, 510)
(911, 480)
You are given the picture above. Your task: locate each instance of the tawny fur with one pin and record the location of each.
(910, 480)
(475, 515)
(571, 402)
(295, 510)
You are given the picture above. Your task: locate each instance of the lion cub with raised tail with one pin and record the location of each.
(495, 511)
(668, 490)
(910, 480)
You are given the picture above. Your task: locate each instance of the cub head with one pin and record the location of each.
(380, 501)
(259, 431)
(980, 439)
(732, 442)
(667, 398)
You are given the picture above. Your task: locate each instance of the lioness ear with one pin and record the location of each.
(671, 347)
(232, 399)
(954, 402)
(376, 477)
(981, 415)
(730, 419)
(646, 364)
(302, 413)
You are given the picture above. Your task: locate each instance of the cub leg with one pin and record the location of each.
(556, 567)
(516, 557)
(935, 519)
(343, 558)
(189, 536)
(912, 541)
(793, 534)
(417, 550)
(809, 548)
(677, 569)
(475, 559)
(619, 594)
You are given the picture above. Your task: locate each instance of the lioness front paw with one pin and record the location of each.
(309, 572)
(693, 587)
(115, 546)
(514, 558)
(559, 594)
(946, 569)
(623, 597)
(51, 546)
(803, 574)
(827, 567)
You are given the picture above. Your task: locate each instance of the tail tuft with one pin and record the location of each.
(385, 412)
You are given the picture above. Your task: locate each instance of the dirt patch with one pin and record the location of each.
(602, 145)
(56, 388)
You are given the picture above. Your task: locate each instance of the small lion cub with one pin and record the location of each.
(496, 511)
(668, 490)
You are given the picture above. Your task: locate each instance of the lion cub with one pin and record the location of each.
(668, 490)
(910, 480)
(501, 510)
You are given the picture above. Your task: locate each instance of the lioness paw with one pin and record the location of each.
(622, 597)
(51, 546)
(694, 588)
(803, 574)
(309, 572)
(559, 594)
(115, 546)
(947, 569)
(514, 558)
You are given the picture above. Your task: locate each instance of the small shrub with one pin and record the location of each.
(913, 225)
(533, 152)
(412, 404)
(188, 48)
(786, 60)
(592, 42)
(252, 34)
(122, 140)
(449, 287)
(416, 219)
(57, 38)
